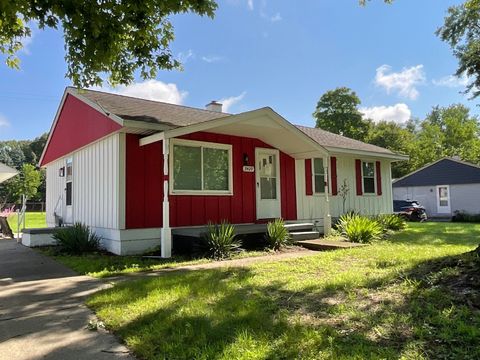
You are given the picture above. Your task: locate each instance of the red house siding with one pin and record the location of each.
(188, 210)
(78, 125)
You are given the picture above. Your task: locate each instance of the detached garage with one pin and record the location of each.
(442, 187)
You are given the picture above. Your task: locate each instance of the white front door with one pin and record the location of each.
(267, 170)
(68, 216)
(443, 199)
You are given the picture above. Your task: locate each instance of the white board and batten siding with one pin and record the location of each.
(312, 207)
(97, 183)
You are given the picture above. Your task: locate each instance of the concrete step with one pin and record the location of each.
(304, 235)
(296, 227)
(322, 245)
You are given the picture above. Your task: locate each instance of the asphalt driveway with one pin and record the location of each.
(42, 315)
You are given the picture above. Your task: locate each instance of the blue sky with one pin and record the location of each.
(259, 53)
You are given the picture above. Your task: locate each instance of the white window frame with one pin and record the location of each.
(313, 178)
(201, 144)
(374, 178)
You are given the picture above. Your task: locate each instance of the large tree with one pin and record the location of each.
(462, 31)
(337, 112)
(113, 37)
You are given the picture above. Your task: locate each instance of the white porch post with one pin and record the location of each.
(166, 241)
(327, 219)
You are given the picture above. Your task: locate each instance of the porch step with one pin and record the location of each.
(322, 245)
(295, 227)
(304, 235)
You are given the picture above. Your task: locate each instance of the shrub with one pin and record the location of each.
(76, 240)
(359, 229)
(463, 216)
(221, 241)
(277, 235)
(391, 222)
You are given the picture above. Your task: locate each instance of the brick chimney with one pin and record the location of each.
(214, 106)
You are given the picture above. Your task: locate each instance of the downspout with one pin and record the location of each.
(327, 219)
(166, 233)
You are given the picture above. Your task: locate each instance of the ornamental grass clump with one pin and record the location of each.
(359, 229)
(277, 235)
(221, 240)
(391, 222)
(76, 240)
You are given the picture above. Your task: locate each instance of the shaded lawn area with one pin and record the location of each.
(103, 265)
(32, 220)
(414, 297)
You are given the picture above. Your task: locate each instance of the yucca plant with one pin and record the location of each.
(391, 222)
(76, 240)
(220, 240)
(359, 229)
(277, 235)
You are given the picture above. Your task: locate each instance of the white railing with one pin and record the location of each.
(21, 217)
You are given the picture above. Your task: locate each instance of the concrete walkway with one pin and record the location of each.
(42, 315)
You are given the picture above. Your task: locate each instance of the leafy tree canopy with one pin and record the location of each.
(337, 112)
(461, 31)
(113, 37)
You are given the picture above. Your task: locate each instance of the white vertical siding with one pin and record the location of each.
(55, 191)
(312, 207)
(96, 185)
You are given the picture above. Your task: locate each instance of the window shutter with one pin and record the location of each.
(358, 176)
(379, 178)
(333, 175)
(308, 177)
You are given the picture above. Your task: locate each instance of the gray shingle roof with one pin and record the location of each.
(329, 139)
(446, 171)
(131, 108)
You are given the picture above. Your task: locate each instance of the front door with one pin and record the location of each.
(267, 170)
(68, 216)
(443, 199)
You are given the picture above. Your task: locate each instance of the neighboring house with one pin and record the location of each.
(135, 169)
(6, 172)
(442, 187)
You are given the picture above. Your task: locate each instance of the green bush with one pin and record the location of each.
(277, 234)
(359, 229)
(391, 222)
(463, 216)
(220, 240)
(76, 240)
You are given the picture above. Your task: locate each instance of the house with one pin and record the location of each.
(6, 172)
(134, 169)
(442, 187)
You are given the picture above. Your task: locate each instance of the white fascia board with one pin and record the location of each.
(152, 138)
(393, 157)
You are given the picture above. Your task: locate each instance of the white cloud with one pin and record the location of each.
(230, 101)
(150, 90)
(212, 58)
(398, 113)
(275, 18)
(250, 4)
(452, 81)
(3, 121)
(183, 57)
(404, 82)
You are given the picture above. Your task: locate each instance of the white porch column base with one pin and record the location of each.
(166, 242)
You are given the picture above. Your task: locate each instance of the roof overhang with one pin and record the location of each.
(6, 172)
(263, 124)
(354, 152)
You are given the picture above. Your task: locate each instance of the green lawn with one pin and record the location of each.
(106, 265)
(413, 297)
(32, 220)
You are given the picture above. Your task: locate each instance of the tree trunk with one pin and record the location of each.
(5, 227)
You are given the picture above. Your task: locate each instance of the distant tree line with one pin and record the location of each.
(24, 156)
(445, 131)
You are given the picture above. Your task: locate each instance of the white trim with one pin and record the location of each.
(394, 157)
(152, 138)
(374, 178)
(121, 180)
(275, 152)
(201, 144)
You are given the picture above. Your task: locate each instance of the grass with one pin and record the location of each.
(413, 297)
(32, 220)
(103, 265)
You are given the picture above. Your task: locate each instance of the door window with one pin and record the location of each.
(268, 176)
(443, 196)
